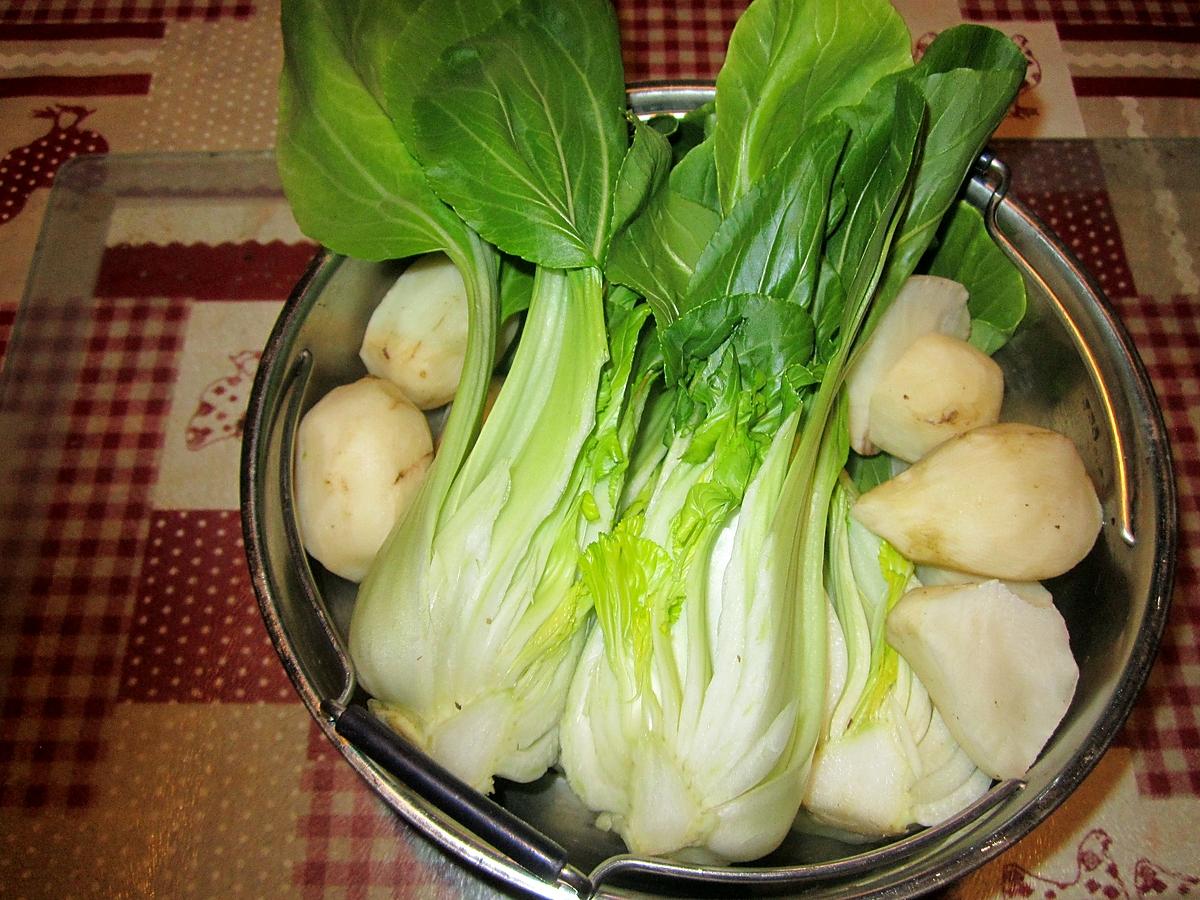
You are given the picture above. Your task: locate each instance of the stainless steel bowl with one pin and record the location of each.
(1070, 367)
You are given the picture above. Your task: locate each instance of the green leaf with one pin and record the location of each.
(656, 253)
(516, 286)
(790, 63)
(771, 242)
(521, 129)
(768, 336)
(875, 178)
(969, 77)
(966, 253)
(385, 38)
(774, 336)
(976, 47)
(353, 185)
(351, 182)
(630, 607)
(692, 128)
(695, 176)
(643, 172)
(869, 471)
(699, 331)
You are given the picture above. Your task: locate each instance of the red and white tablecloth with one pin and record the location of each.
(150, 744)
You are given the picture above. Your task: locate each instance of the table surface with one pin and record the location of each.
(150, 743)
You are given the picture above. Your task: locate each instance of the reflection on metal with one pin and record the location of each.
(288, 426)
(994, 177)
(835, 870)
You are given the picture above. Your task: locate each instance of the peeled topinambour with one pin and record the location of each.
(926, 304)
(997, 666)
(417, 336)
(1008, 501)
(362, 453)
(940, 387)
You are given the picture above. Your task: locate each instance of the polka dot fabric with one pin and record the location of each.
(1085, 222)
(214, 101)
(197, 636)
(1063, 182)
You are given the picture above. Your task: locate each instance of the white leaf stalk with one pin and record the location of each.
(468, 626)
(886, 760)
(679, 726)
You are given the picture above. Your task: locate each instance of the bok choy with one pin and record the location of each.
(697, 706)
(885, 759)
(641, 565)
(467, 626)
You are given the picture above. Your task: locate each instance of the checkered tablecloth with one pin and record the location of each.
(150, 744)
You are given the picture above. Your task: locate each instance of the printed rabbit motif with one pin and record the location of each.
(221, 410)
(1097, 874)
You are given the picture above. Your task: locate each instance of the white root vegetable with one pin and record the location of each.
(998, 668)
(417, 336)
(362, 452)
(1007, 501)
(925, 304)
(940, 387)
(1031, 591)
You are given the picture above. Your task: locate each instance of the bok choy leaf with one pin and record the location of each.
(965, 252)
(694, 712)
(968, 76)
(789, 64)
(467, 628)
(524, 132)
(353, 185)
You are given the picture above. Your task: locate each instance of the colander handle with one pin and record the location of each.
(515, 838)
(989, 187)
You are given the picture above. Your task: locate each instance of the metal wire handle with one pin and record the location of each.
(512, 836)
(992, 176)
